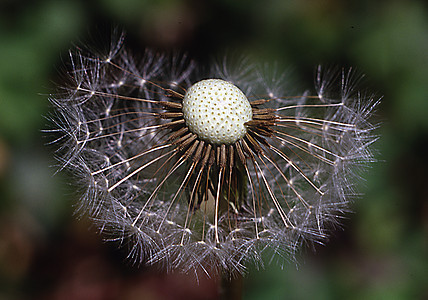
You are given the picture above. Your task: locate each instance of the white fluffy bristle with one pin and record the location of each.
(216, 110)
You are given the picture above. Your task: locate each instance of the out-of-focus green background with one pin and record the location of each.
(382, 251)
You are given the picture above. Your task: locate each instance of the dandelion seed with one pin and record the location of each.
(207, 172)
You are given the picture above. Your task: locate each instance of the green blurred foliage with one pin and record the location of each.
(382, 252)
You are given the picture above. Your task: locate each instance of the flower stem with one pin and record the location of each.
(231, 287)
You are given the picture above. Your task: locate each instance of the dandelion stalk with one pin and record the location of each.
(231, 288)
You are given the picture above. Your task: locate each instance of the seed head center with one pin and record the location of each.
(216, 111)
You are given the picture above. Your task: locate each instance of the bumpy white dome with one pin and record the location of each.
(216, 110)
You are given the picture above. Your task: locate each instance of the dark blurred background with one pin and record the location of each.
(382, 250)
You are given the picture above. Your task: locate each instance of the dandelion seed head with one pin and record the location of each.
(196, 173)
(216, 110)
